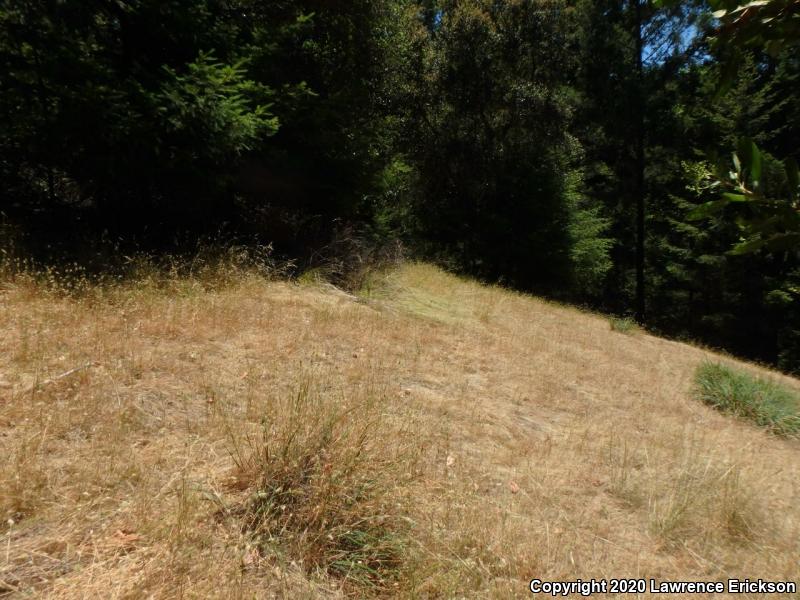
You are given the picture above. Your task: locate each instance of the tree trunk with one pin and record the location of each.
(640, 162)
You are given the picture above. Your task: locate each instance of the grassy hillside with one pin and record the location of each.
(207, 438)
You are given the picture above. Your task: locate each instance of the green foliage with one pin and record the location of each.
(624, 325)
(133, 108)
(212, 101)
(626, 50)
(590, 249)
(764, 402)
(769, 223)
(188, 114)
(770, 24)
(696, 289)
(488, 136)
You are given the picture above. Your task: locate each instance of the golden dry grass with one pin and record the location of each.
(244, 440)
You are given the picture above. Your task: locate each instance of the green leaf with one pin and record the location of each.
(750, 159)
(734, 197)
(706, 210)
(749, 5)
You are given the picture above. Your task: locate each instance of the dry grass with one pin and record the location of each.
(432, 438)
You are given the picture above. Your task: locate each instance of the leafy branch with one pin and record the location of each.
(772, 224)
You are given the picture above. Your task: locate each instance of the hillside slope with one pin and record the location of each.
(430, 438)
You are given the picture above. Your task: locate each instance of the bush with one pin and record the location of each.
(762, 401)
(351, 259)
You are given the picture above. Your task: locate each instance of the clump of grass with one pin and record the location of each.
(762, 401)
(312, 276)
(624, 325)
(706, 499)
(328, 479)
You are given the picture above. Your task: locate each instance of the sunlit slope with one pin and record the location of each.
(512, 437)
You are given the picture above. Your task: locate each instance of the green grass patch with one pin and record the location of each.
(763, 401)
(624, 325)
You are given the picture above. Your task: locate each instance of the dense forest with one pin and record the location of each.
(635, 157)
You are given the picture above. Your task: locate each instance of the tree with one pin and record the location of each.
(135, 108)
(152, 115)
(488, 136)
(628, 50)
